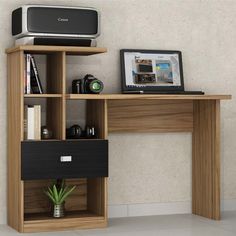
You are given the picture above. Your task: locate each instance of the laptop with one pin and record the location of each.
(153, 72)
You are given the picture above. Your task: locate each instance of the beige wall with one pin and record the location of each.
(151, 168)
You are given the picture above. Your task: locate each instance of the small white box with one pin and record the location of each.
(66, 158)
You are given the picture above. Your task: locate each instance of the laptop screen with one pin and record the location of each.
(151, 70)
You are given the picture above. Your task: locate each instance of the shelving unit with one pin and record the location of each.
(28, 207)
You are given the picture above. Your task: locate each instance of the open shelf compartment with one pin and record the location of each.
(51, 114)
(90, 113)
(51, 73)
(85, 202)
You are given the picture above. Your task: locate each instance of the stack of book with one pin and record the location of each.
(32, 122)
(32, 82)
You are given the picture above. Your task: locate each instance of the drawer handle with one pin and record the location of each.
(66, 158)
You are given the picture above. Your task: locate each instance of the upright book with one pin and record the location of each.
(27, 74)
(36, 86)
(32, 122)
(32, 83)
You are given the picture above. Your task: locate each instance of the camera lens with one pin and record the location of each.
(96, 86)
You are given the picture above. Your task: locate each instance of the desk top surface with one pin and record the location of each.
(148, 96)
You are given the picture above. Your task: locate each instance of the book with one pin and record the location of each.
(25, 121)
(27, 74)
(32, 122)
(25, 77)
(37, 122)
(29, 122)
(36, 85)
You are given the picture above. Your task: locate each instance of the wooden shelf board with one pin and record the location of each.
(73, 220)
(146, 96)
(42, 95)
(59, 140)
(40, 49)
(39, 217)
(84, 139)
(43, 140)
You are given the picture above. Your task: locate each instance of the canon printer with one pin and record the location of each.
(55, 25)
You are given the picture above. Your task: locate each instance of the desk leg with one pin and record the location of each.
(206, 159)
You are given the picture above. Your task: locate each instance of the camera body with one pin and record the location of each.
(76, 132)
(88, 85)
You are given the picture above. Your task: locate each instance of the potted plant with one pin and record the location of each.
(58, 193)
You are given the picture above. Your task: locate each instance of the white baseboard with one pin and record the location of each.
(148, 209)
(228, 205)
(3, 215)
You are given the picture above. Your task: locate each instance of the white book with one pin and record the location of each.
(37, 122)
(25, 77)
(25, 122)
(28, 74)
(30, 123)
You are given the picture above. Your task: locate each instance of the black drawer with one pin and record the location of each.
(51, 159)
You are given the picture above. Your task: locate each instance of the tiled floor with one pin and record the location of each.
(172, 225)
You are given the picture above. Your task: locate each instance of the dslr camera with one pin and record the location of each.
(89, 84)
(76, 132)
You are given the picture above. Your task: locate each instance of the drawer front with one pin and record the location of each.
(64, 159)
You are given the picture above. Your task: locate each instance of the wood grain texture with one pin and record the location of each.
(56, 76)
(77, 201)
(96, 196)
(71, 223)
(42, 95)
(150, 116)
(97, 115)
(147, 96)
(15, 79)
(63, 91)
(37, 49)
(206, 159)
(55, 72)
(54, 117)
(35, 200)
(68, 214)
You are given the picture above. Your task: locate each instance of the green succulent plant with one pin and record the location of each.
(58, 194)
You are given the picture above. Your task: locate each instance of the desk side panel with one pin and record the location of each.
(15, 80)
(150, 116)
(206, 159)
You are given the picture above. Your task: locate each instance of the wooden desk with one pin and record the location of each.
(199, 114)
(29, 210)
